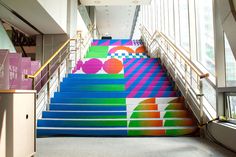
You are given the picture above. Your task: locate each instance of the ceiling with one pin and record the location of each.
(116, 21)
(114, 2)
(115, 17)
(34, 13)
(7, 16)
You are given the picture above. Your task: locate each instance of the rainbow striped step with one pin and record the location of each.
(117, 95)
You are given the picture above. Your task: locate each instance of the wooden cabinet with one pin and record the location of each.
(17, 123)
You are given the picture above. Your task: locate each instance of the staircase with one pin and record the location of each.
(122, 93)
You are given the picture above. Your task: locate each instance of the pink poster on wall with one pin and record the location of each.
(4, 69)
(35, 65)
(26, 70)
(15, 71)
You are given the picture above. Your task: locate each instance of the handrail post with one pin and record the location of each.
(67, 62)
(200, 97)
(59, 73)
(201, 101)
(186, 78)
(33, 83)
(59, 78)
(48, 87)
(79, 37)
(76, 55)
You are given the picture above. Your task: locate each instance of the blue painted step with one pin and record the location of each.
(66, 95)
(83, 114)
(82, 123)
(45, 131)
(82, 88)
(79, 107)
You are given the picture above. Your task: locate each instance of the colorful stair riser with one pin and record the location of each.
(116, 42)
(111, 96)
(136, 118)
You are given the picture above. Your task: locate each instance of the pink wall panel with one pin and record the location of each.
(15, 76)
(26, 69)
(35, 65)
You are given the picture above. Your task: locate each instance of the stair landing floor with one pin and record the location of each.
(129, 147)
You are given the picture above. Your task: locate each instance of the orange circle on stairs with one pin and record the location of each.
(113, 66)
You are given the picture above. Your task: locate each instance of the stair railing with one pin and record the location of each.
(47, 79)
(187, 77)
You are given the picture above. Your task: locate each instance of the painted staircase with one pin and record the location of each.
(119, 93)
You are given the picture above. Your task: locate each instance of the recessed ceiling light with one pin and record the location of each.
(97, 2)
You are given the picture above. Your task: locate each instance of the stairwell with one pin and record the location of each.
(117, 90)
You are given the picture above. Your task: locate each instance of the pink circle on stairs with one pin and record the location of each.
(92, 66)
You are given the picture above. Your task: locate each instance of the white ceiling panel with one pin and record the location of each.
(115, 20)
(114, 2)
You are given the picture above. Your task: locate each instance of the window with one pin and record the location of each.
(171, 19)
(166, 16)
(230, 65)
(231, 101)
(184, 24)
(162, 15)
(153, 16)
(158, 15)
(205, 32)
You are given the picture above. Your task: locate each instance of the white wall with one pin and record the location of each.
(58, 10)
(72, 17)
(81, 26)
(5, 42)
(51, 43)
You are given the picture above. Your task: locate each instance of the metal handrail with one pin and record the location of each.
(49, 60)
(46, 80)
(78, 37)
(165, 45)
(177, 50)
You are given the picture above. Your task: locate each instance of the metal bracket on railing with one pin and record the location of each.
(199, 95)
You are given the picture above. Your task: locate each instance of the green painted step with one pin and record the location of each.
(97, 52)
(97, 76)
(92, 100)
(104, 87)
